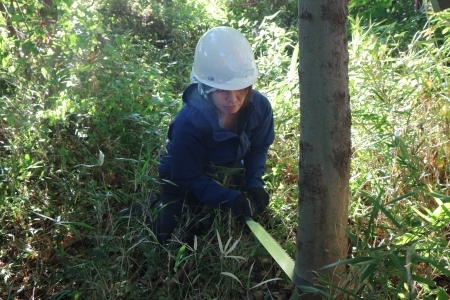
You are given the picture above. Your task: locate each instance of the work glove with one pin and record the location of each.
(260, 197)
(242, 206)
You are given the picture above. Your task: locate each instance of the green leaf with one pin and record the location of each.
(368, 270)
(294, 62)
(180, 254)
(27, 157)
(73, 39)
(16, 18)
(78, 295)
(422, 215)
(232, 247)
(441, 266)
(400, 266)
(30, 47)
(112, 51)
(383, 209)
(11, 120)
(119, 41)
(424, 280)
(353, 261)
(44, 72)
(442, 213)
(266, 281)
(232, 276)
(220, 242)
(441, 197)
(400, 198)
(101, 158)
(441, 294)
(81, 224)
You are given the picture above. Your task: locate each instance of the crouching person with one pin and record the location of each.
(223, 123)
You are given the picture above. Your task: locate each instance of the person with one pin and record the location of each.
(218, 142)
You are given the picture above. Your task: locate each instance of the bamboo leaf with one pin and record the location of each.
(423, 216)
(233, 246)
(179, 257)
(368, 270)
(424, 280)
(442, 267)
(352, 261)
(82, 224)
(441, 294)
(235, 257)
(400, 198)
(101, 158)
(438, 197)
(220, 242)
(294, 62)
(195, 243)
(266, 281)
(232, 276)
(137, 244)
(394, 258)
(226, 245)
(383, 209)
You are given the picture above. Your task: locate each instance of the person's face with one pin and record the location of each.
(229, 102)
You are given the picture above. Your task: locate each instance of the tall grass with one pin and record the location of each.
(400, 173)
(74, 155)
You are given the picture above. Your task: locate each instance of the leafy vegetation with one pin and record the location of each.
(87, 92)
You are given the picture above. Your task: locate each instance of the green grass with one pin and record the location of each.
(83, 124)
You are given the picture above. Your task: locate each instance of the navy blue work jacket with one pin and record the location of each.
(197, 141)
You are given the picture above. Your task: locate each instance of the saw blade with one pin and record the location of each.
(279, 254)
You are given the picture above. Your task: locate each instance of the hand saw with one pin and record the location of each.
(279, 255)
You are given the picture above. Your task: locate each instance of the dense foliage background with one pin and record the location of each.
(88, 89)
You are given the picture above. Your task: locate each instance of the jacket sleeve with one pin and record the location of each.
(262, 136)
(188, 161)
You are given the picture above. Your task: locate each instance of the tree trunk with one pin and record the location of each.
(439, 5)
(325, 142)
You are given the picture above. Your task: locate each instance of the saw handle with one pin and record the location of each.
(243, 206)
(260, 197)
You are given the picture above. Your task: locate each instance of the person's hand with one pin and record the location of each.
(260, 197)
(242, 206)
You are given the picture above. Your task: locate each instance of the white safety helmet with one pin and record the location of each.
(224, 60)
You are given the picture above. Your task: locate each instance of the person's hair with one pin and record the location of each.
(248, 96)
